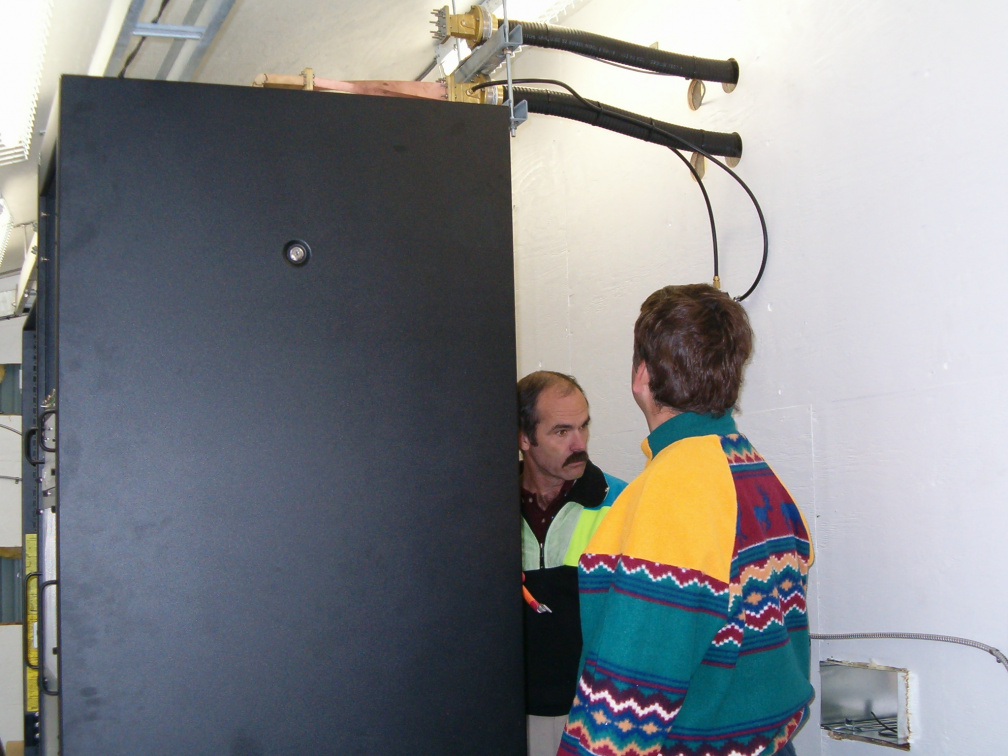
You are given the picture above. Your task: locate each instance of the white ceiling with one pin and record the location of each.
(339, 39)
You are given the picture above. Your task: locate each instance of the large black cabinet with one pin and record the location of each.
(284, 495)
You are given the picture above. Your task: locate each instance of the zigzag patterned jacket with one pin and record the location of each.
(693, 605)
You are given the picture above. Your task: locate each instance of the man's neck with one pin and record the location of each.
(657, 415)
(545, 487)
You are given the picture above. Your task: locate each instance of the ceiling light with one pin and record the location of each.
(26, 30)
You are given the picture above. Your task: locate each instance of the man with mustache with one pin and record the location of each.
(563, 499)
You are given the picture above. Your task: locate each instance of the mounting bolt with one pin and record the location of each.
(297, 253)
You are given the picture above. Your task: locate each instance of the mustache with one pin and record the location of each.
(576, 458)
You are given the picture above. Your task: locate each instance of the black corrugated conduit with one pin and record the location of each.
(629, 124)
(626, 53)
(629, 119)
(647, 129)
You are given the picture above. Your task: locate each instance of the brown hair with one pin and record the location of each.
(529, 389)
(695, 341)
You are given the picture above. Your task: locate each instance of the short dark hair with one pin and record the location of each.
(529, 389)
(695, 341)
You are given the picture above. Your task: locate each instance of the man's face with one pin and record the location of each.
(561, 448)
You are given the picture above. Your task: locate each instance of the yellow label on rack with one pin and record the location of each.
(31, 552)
(30, 628)
(31, 692)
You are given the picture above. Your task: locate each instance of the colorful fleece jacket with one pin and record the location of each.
(693, 605)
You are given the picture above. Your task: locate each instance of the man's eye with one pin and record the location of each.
(562, 433)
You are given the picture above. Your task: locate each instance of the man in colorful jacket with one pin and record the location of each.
(563, 499)
(693, 587)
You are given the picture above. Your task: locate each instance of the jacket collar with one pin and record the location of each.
(687, 425)
(590, 489)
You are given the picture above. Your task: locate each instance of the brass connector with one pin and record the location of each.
(440, 30)
(305, 81)
(464, 92)
(475, 27)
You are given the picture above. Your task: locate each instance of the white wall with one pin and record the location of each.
(10, 491)
(10, 445)
(872, 134)
(11, 690)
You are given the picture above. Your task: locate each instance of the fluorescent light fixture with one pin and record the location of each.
(26, 31)
(6, 225)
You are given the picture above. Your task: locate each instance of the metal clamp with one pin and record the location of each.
(489, 56)
(519, 114)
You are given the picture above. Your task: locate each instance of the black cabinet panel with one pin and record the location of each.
(287, 494)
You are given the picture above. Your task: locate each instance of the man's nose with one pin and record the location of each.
(579, 441)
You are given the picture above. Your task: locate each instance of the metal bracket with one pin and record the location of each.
(490, 55)
(519, 115)
(171, 31)
(195, 40)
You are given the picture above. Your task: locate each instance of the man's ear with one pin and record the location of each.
(523, 442)
(640, 382)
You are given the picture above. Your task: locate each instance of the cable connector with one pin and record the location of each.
(305, 81)
(440, 30)
(464, 92)
(475, 27)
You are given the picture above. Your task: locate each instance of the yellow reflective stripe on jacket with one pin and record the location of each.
(585, 528)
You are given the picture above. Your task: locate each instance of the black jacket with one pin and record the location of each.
(553, 640)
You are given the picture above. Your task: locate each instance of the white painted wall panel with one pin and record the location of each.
(10, 491)
(11, 688)
(10, 340)
(871, 135)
